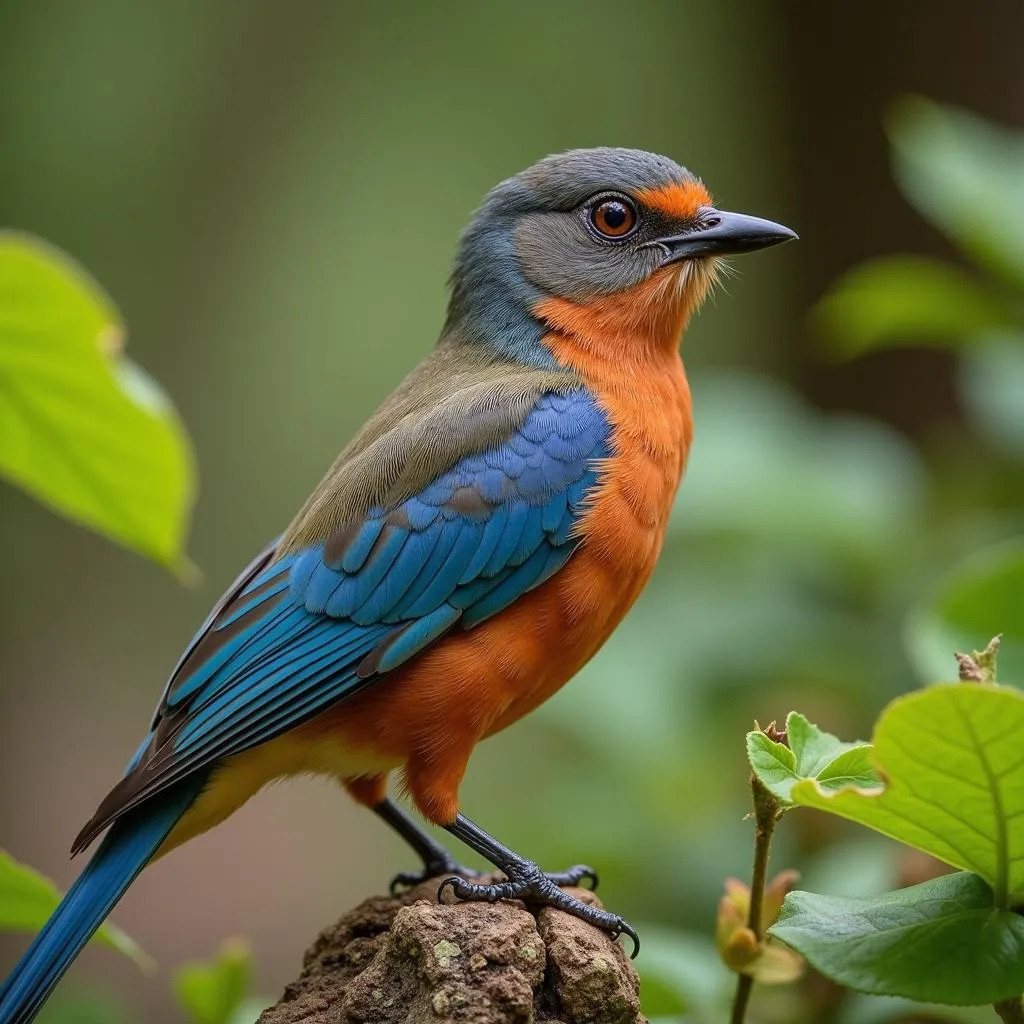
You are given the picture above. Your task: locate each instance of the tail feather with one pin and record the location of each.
(124, 852)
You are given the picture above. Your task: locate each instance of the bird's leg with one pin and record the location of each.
(436, 859)
(527, 882)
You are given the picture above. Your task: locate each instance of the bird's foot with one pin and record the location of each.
(527, 882)
(443, 864)
(574, 876)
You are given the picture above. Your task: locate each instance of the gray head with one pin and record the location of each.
(582, 225)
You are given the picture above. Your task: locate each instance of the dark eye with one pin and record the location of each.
(613, 218)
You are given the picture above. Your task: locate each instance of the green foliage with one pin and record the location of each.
(940, 941)
(809, 753)
(27, 899)
(82, 428)
(907, 300)
(964, 175)
(76, 1005)
(954, 782)
(984, 590)
(991, 383)
(682, 974)
(953, 787)
(218, 992)
(949, 756)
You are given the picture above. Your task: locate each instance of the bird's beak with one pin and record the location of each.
(721, 234)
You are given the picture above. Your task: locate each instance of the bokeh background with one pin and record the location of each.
(272, 193)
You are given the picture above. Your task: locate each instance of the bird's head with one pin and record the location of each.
(594, 239)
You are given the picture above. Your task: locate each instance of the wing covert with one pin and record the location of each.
(299, 632)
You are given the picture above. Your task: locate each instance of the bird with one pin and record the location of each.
(472, 547)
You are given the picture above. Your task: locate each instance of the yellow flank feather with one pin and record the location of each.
(244, 775)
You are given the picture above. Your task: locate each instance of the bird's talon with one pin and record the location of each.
(574, 876)
(528, 883)
(453, 882)
(403, 880)
(410, 879)
(625, 928)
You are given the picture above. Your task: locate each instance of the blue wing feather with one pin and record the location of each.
(298, 633)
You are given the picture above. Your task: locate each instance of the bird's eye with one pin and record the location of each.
(613, 218)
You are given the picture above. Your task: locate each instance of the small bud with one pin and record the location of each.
(775, 892)
(979, 666)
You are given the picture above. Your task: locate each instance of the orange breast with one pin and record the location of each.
(429, 714)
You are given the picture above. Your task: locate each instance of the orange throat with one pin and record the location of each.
(636, 325)
(626, 349)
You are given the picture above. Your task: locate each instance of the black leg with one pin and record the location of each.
(527, 882)
(436, 859)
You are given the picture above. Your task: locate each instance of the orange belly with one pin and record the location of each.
(429, 714)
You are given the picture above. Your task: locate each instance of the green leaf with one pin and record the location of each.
(991, 379)
(812, 754)
(214, 993)
(941, 941)
(954, 781)
(28, 898)
(976, 600)
(966, 176)
(81, 428)
(901, 300)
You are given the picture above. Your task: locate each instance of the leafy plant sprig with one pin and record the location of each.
(945, 775)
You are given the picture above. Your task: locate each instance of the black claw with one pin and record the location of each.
(528, 883)
(403, 880)
(627, 929)
(452, 881)
(574, 876)
(410, 879)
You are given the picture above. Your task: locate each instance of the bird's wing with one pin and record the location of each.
(301, 630)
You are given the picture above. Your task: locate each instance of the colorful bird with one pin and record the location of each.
(473, 546)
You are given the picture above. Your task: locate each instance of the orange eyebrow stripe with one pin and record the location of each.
(677, 200)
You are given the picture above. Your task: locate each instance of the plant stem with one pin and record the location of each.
(766, 814)
(1011, 1011)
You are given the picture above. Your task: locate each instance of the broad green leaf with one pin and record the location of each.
(953, 768)
(900, 300)
(81, 428)
(978, 599)
(991, 378)
(941, 941)
(965, 175)
(214, 993)
(812, 753)
(28, 898)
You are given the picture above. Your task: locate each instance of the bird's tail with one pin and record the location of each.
(129, 844)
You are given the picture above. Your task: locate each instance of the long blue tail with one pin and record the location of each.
(129, 844)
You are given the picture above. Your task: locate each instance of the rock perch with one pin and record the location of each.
(409, 960)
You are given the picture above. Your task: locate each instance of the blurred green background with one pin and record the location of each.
(272, 193)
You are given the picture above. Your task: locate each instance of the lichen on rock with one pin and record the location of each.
(410, 960)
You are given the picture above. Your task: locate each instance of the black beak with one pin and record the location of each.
(721, 234)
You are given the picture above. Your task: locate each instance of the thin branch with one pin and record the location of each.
(766, 815)
(1011, 1011)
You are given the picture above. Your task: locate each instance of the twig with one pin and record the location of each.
(1011, 1011)
(766, 814)
(980, 667)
